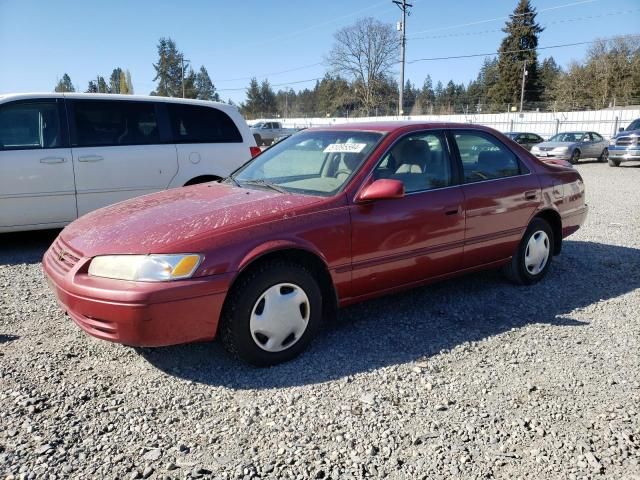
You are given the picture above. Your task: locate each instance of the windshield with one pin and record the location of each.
(315, 163)
(635, 125)
(567, 137)
(257, 125)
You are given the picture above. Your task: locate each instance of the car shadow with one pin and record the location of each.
(424, 321)
(8, 337)
(25, 247)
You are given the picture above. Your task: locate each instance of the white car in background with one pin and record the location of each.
(63, 155)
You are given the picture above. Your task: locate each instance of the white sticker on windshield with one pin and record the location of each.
(345, 148)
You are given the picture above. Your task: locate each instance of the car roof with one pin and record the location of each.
(391, 126)
(112, 96)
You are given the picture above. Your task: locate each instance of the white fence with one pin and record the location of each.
(606, 122)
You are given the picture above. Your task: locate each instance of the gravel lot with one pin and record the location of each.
(471, 378)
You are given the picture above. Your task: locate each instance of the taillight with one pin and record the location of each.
(254, 151)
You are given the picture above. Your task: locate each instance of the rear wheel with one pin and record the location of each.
(532, 259)
(604, 156)
(272, 313)
(575, 156)
(613, 163)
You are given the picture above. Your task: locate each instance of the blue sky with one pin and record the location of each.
(40, 40)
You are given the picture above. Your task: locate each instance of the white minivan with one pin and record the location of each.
(63, 155)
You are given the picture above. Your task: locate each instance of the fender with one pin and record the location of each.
(276, 245)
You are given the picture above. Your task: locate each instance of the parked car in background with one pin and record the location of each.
(265, 133)
(526, 139)
(625, 146)
(573, 146)
(63, 155)
(279, 138)
(326, 218)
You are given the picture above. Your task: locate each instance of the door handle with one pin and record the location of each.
(52, 160)
(452, 212)
(91, 158)
(530, 195)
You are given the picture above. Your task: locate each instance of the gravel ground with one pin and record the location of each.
(471, 378)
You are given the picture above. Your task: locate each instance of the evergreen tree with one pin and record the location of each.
(548, 74)
(252, 106)
(516, 49)
(409, 98)
(102, 85)
(267, 99)
(129, 82)
(168, 69)
(115, 80)
(64, 84)
(92, 88)
(204, 86)
(123, 84)
(426, 97)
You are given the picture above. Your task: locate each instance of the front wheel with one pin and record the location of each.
(532, 259)
(272, 313)
(604, 156)
(575, 157)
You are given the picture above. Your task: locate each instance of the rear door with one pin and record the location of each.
(118, 151)
(207, 141)
(500, 196)
(36, 172)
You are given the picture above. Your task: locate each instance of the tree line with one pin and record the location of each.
(360, 78)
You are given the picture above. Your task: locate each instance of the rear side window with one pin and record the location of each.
(199, 124)
(25, 126)
(485, 158)
(108, 123)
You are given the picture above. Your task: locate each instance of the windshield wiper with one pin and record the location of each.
(263, 183)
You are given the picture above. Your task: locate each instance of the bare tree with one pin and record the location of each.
(365, 52)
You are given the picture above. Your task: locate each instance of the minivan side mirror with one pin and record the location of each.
(383, 189)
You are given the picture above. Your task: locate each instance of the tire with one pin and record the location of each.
(246, 325)
(519, 270)
(613, 163)
(575, 157)
(258, 139)
(604, 156)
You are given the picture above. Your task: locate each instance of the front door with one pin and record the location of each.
(118, 151)
(420, 236)
(36, 172)
(500, 197)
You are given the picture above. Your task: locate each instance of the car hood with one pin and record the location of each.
(555, 144)
(161, 222)
(628, 133)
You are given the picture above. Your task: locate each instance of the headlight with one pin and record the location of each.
(145, 268)
(612, 141)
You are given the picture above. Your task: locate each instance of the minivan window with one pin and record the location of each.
(200, 124)
(108, 122)
(30, 126)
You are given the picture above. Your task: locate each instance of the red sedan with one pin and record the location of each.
(325, 218)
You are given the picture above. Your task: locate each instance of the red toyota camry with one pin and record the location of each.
(325, 218)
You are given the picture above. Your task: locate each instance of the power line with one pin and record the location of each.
(489, 54)
(554, 22)
(270, 74)
(450, 27)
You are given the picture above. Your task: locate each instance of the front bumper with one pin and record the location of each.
(624, 153)
(552, 155)
(145, 314)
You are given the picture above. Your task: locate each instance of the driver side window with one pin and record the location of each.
(420, 161)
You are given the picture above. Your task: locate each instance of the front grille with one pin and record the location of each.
(62, 257)
(547, 149)
(626, 141)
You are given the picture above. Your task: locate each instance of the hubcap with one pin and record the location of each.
(537, 252)
(279, 317)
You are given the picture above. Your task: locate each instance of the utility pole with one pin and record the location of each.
(524, 76)
(404, 6)
(183, 60)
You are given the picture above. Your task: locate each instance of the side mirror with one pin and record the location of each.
(621, 129)
(383, 189)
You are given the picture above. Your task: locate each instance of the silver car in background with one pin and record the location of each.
(573, 146)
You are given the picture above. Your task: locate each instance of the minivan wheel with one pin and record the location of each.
(575, 156)
(613, 163)
(604, 156)
(532, 259)
(272, 313)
